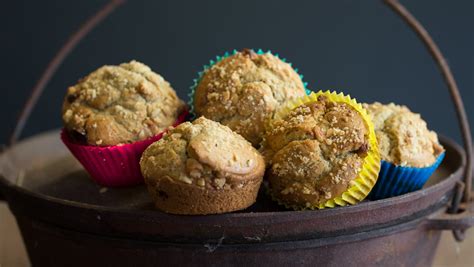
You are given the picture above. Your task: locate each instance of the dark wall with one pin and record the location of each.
(358, 47)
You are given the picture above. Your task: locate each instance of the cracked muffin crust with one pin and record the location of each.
(403, 136)
(315, 152)
(202, 168)
(120, 104)
(243, 90)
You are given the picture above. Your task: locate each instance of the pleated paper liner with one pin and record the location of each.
(196, 81)
(367, 176)
(397, 180)
(113, 166)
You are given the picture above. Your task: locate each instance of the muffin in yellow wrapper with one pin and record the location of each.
(321, 151)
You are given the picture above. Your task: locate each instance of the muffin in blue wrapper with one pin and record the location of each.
(410, 152)
(243, 89)
(397, 180)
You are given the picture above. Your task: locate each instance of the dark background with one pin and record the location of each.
(358, 47)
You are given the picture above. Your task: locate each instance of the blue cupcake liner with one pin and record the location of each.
(219, 58)
(397, 180)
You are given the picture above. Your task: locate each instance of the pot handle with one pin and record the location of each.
(424, 36)
(460, 221)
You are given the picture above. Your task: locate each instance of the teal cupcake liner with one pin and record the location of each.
(219, 58)
(397, 180)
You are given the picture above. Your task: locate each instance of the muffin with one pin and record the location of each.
(321, 152)
(113, 114)
(120, 105)
(403, 136)
(410, 152)
(202, 167)
(243, 90)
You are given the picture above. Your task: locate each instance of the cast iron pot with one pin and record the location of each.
(68, 220)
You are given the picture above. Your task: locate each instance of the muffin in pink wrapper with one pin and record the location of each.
(113, 166)
(112, 115)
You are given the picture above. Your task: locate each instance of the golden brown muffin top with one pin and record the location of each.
(120, 104)
(203, 153)
(316, 151)
(243, 90)
(403, 136)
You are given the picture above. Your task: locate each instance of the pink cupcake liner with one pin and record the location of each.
(114, 166)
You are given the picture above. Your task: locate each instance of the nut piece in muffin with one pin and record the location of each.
(243, 90)
(403, 136)
(120, 104)
(202, 167)
(315, 152)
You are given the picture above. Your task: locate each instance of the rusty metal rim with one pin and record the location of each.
(409, 197)
(142, 224)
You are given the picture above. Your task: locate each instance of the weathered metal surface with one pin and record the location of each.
(51, 246)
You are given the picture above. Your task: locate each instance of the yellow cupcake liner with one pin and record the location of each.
(367, 176)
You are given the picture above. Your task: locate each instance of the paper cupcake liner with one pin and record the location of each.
(196, 81)
(397, 180)
(367, 176)
(113, 166)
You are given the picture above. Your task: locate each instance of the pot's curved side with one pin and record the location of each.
(404, 245)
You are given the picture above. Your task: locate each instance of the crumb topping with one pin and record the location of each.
(120, 104)
(243, 90)
(315, 152)
(203, 153)
(403, 136)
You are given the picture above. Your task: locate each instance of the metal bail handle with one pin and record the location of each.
(416, 26)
